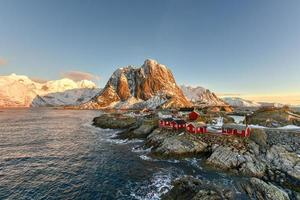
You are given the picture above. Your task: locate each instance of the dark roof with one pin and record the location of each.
(235, 126)
(180, 121)
(187, 109)
(168, 119)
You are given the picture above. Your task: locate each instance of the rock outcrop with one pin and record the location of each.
(274, 117)
(258, 189)
(150, 86)
(229, 158)
(280, 159)
(111, 121)
(189, 187)
(167, 144)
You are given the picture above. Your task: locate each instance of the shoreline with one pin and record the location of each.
(275, 166)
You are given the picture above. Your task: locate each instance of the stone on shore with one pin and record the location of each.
(112, 121)
(190, 188)
(288, 162)
(175, 144)
(231, 159)
(258, 189)
(144, 130)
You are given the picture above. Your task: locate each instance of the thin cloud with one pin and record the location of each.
(3, 61)
(78, 76)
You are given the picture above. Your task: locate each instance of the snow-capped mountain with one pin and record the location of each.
(21, 91)
(200, 95)
(150, 86)
(240, 102)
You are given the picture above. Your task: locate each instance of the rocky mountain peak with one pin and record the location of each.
(137, 85)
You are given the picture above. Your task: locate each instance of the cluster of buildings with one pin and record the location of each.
(192, 126)
(179, 124)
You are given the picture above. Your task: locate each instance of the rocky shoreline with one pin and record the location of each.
(269, 160)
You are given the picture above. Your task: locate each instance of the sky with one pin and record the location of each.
(234, 47)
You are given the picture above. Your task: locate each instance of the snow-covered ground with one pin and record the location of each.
(238, 119)
(290, 127)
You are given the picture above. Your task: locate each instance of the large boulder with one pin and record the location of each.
(231, 159)
(180, 144)
(137, 132)
(190, 188)
(259, 137)
(224, 157)
(258, 189)
(279, 158)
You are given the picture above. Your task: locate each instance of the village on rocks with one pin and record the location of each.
(271, 169)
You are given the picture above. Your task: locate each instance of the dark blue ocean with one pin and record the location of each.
(58, 154)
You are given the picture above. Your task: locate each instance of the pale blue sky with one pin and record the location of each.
(234, 46)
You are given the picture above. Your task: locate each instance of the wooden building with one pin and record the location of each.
(193, 115)
(236, 129)
(179, 124)
(196, 128)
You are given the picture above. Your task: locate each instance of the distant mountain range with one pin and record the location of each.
(150, 86)
(21, 91)
(240, 102)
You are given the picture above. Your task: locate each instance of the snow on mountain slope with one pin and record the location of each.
(21, 91)
(200, 95)
(239, 102)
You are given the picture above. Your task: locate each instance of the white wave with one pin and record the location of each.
(194, 162)
(158, 185)
(112, 139)
(140, 149)
(145, 157)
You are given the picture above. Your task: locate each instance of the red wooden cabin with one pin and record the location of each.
(179, 124)
(196, 128)
(166, 122)
(236, 129)
(193, 115)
